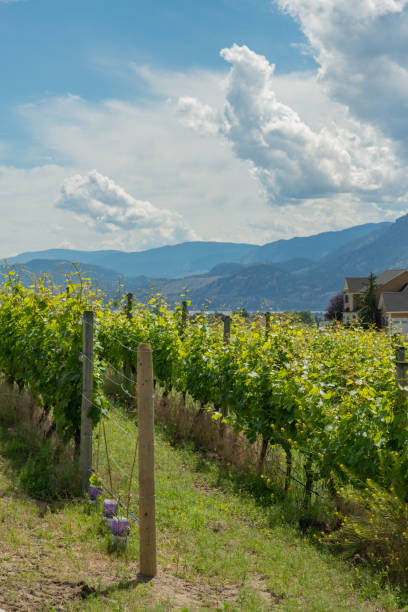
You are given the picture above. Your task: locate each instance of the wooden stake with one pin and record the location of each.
(402, 371)
(128, 370)
(401, 365)
(129, 306)
(85, 453)
(227, 334)
(267, 323)
(227, 329)
(147, 501)
(184, 315)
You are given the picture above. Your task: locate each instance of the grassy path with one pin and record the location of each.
(217, 549)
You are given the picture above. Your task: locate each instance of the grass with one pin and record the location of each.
(43, 466)
(219, 546)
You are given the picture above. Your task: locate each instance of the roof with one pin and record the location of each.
(356, 283)
(395, 301)
(387, 275)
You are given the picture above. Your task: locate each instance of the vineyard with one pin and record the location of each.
(328, 395)
(328, 405)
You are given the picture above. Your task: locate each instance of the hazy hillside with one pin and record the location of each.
(200, 257)
(299, 284)
(383, 250)
(311, 247)
(164, 262)
(389, 249)
(252, 287)
(108, 281)
(217, 273)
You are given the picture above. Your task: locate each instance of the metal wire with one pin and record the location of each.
(128, 348)
(127, 392)
(127, 433)
(119, 372)
(299, 482)
(121, 470)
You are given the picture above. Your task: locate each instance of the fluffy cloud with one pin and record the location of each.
(199, 117)
(107, 207)
(362, 51)
(147, 150)
(292, 161)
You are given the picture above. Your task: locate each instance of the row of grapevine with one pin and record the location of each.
(40, 346)
(329, 395)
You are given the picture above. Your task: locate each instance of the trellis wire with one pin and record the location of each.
(300, 449)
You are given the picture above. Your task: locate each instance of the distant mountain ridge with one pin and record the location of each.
(313, 285)
(301, 281)
(187, 258)
(108, 281)
(311, 247)
(164, 262)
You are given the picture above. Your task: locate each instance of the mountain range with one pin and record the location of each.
(190, 258)
(300, 273)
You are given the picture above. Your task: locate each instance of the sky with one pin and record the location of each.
(131, 124)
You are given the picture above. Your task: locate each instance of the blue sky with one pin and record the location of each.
(53, 47)
(132, 124)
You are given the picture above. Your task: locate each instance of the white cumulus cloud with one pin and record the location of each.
(198, 116)
(107, 207)
(362, 51)
(292, 161)
(155, 157)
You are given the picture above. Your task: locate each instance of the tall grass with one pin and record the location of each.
(43, 466)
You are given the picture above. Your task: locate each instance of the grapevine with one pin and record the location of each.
(328, 394)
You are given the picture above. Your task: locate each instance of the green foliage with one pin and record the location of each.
(368, 313)
(216, 543)
(17, 450)
(95, 480)
(36, 477)
(40, 346)
(305, 316)
(118, 338)
(41, 469)
(328, 394)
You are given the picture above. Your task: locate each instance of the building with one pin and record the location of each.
(394, 310)
(391, 297)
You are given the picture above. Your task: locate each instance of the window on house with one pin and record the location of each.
(346, 298)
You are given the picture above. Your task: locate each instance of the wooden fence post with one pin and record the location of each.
(184, 315)
(147, 500)
(85, 453)
(267, 323)
(128, 368)
(227, 335)
(402, 369)
(227, 329)
(129, 306)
